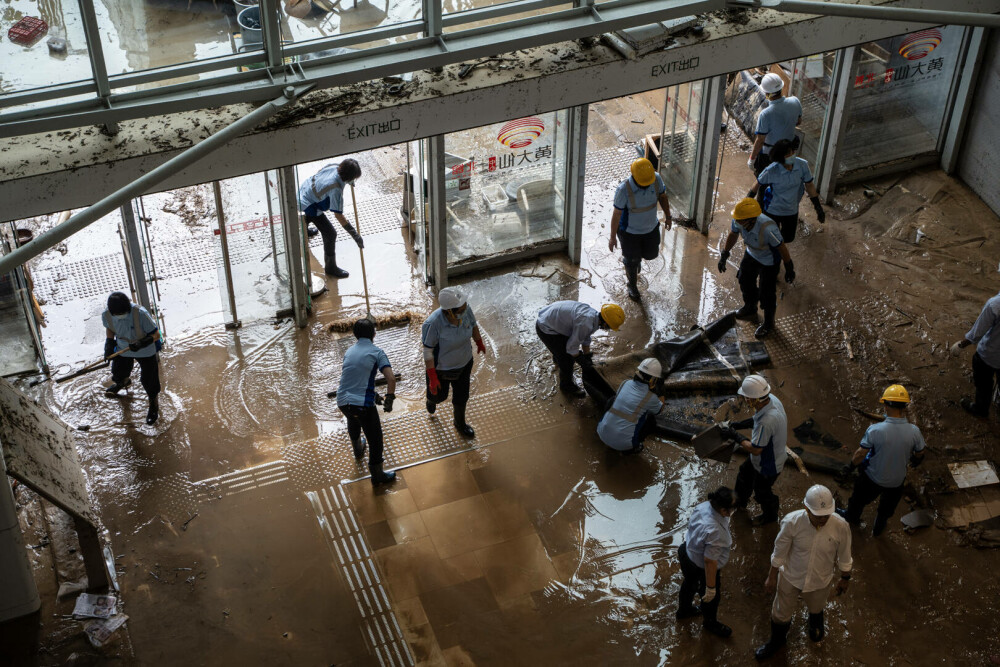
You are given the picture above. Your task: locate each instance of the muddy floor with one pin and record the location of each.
(240, 535)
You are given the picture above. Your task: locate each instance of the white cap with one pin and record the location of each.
(771, 83)
(451, 297)
(651, 367)
(754, 386)
(819, 500)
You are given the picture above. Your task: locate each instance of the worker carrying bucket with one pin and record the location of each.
(634, 221)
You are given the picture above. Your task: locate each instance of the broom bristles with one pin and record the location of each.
(381, 321)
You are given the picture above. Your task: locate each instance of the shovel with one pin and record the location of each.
(710, 444)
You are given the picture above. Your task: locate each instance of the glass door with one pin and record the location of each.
(812, 83)
(415, 208)
(679, 144)
(140, 265)
(20, 315)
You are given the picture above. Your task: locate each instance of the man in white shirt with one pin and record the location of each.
(812, 544)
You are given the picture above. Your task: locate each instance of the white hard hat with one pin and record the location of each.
(451, 297)
(754, 386)
(651, 367)
(819, 500)
(771, 83)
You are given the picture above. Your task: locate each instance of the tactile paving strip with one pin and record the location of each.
(800, 337)
(610, 165)
(352, 554)
(81, 280)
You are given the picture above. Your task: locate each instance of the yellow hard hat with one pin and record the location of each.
(746, 209)
(613, 314)
(643, 172)
(895, 393)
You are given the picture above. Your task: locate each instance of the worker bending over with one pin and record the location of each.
(884, 453)
(324, 191)
(566, 328)
(632, 414)
(634, 221)
(132, 331)
(356, 398)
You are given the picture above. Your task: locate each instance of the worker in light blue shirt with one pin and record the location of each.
(777, 121)
(985, 333)
(634, 220)
(764, 246)
(786, 179)
(132, 335)
(632, 414)
(447, 337)
(885, 452)
(566, 328)
(324, 191)
(356, 398)
(767, 447)
(702, 555)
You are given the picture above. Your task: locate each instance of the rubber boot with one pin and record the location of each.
(779, 635)
(431, 406)
(816, 627)
(718, 629)
(117, 387)
(766, 327)
(687, 612)
(380, 476)
(311, 231)
(632, 274)
(878, 527)
(463, 428)
(747, 313)
(359, 447)
(154, 410)
(331, 267)
(763, 519)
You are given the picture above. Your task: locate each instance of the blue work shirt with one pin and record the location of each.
(621, 426)
(638, 205)
(986, 333)
(787, 185)
(708, 536)
(357, 377)
(770, 432)
(762, 240)
(778, 120)
(125, 333)
(324, 191)
(890, 444)
(451, 345)
(577, 321)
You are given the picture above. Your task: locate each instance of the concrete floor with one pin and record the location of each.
(241, 536)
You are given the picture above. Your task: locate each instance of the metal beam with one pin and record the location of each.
(95, 49)
(835, 123)
(889, 13)
(135, 265)
(296, 247)
(437, 230)
(958, 116)
(576, 180)
(709, 126)
(137, 187)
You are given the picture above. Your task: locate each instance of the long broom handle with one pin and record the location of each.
(86, 369)
(364, 274)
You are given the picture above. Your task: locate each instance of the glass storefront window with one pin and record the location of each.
(678, 151)
(505, 186)
(304, 20)
(57, 54)
(900, 95)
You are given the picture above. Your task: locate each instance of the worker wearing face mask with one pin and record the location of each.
(131, 328)
(447, 336)
(785, 180)
(324, 191)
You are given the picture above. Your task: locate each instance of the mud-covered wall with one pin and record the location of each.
(979, 162)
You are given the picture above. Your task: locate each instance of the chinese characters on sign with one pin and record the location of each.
(371, 129)
(906, 72)
(501, 162)
(676, 66)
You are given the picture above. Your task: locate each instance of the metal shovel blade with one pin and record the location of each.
(709, 444)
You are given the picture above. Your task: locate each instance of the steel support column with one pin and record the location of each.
(437, 222)
(953, 132)
(271, 23)
(713, 93)
(95, 49)
(576, 179)
(835, 123)
(136, 267)
(296, 249)
(227, 267)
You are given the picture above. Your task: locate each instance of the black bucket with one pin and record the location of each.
(249, 20)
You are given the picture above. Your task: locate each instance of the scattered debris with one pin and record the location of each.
(89, 605)
(101, 631)
(918, 519)
(973, 473)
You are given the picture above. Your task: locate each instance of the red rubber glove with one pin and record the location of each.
(434, 384)
(480, 346)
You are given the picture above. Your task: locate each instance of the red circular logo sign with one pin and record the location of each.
(521, 132)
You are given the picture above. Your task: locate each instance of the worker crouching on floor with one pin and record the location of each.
(764, 247)
(132, 331)
(766, 448)
(885, 451)
(356, 398)
(634, 221)
(448, 354)
(811, 546)
(632, 414)
(703, 554)
(324, 191)
(566, 328)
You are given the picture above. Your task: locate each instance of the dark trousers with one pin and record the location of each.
(694, 582)
(365, 418)
(751, 271)
(759, 165)
(556, 343)
(459, 386)
(149, 371)
(866, 491)
(788, 224)
(984, 376)
(637, 247)
(329, 234)
(748, 481)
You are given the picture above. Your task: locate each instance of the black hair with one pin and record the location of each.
(349, 170)
(364, 328)
(119, 304)
(603, 323)
(896, 404)
(780, 150)
(722, 498)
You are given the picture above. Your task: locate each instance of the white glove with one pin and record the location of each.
(956, 349)
(709, 594)
(750, 163)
